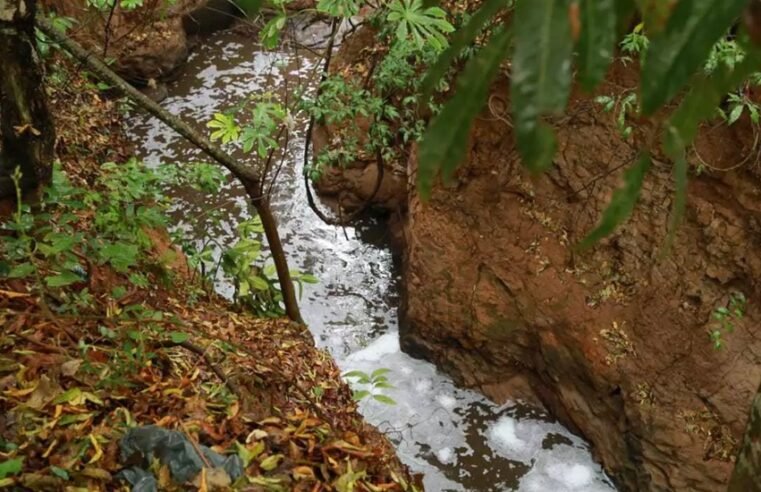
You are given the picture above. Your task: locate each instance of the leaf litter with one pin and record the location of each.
(227, 400)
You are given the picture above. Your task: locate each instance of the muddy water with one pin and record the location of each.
(457, 438)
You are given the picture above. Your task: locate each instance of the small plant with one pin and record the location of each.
(737, 104)
(253, 124)
(391, 105)
(256, 284)
(635, 44)
(726, 52)
(424, 25)
(727, 316)
(374, 383)
(622, 106)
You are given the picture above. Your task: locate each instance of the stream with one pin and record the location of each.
(456, 437)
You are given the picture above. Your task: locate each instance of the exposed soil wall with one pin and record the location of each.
(614, 341)
(150, 42)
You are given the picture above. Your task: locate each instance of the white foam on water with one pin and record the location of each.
(445, 455)
(384, 345)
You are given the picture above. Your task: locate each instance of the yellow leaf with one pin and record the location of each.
(202, 487)
(21, 392)
(303, 473)
(98, 450)
(271, 462)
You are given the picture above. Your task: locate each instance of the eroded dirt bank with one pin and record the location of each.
(615, 341)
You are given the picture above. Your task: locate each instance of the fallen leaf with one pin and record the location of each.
(70, 368)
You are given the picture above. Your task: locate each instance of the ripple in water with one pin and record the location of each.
(457, 438)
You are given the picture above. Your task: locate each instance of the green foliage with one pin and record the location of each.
(726, 317)
(597, 40)
(256, 283)
(340, 102)
(541, 80)
(11, 467)
(339, 8)
(48, 245)
(45, 44)
(463, 37)
(106, 5)
(75, 234)
(635, 43)
(270, 33)
(372, 385)
(683, 46)
(225, 128)
(623, 106)
(419, 23)
(253, 124)
(739, 103)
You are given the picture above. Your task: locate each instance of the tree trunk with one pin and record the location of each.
(27, 134)
(747, 474)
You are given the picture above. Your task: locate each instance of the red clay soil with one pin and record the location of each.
(614, 341)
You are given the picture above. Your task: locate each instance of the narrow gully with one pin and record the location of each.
(456, 437)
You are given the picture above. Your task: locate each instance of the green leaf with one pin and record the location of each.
(59, 472)
(270, 463)
(735, 114)
(119, 255)
(258, 283)
(622, 203)
(384, 399)
(445, 141)
(62, 279)
(178, 337)
(678, 51)
(339, 8)
(541, 76)
(21, 271)
(463, 37)
(701, 102)
(247, 455)
(597, 40)
(309, 279)
(77, 397)
(11, 467)
(360, 395)
(249, 7)
(380, 372)
(361, 377)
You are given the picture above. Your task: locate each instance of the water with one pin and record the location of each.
(457, 438)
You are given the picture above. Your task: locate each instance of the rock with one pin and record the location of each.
(150, 42)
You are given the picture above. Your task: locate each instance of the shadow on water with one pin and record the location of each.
(460, 440)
